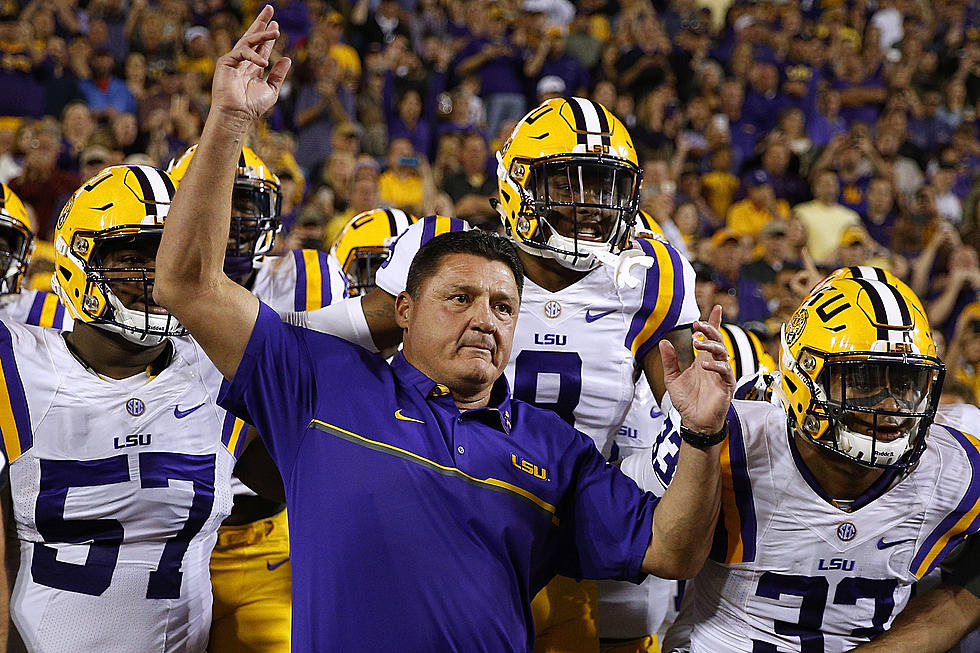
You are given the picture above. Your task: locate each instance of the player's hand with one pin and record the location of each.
(241, 88)
(703, 392)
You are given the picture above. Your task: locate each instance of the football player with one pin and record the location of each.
(834, 500)
(363, 245)
(595, 304)
(644, 421)
(119, 470)
(250, 570)
(18, 304)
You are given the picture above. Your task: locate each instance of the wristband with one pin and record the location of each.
(704, 440)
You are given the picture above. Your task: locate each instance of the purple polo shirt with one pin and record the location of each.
(414, 526)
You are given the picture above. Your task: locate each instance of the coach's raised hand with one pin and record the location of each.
(190, 280)
(242, 90)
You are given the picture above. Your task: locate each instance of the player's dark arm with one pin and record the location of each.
(684, 521)
(189, 279)
(10, 639)
(931, 623)
(652, 363)
(256, 469)
(7, 582)
(344, 320)
(379, 311)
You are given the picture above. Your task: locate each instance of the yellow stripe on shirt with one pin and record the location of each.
(48, 311)
(8, 425)
(733, 522)
(443, 225)
(237, 433)
(665, 295)
(961, 525)
(314, 279)
(451, 471)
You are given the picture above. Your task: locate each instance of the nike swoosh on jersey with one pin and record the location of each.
(272, 567)
(882, 544)
(592, 317)
(406, 418)
(181, 414)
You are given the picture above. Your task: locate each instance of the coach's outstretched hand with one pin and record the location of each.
(241, 90)
(703, 392)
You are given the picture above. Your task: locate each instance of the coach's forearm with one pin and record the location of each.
(684, 521)
(190, 280)
(931, 623)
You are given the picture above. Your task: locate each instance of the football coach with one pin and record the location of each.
(426, 506)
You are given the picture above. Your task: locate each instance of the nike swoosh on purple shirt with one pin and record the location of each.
(882, 544)
(181, 414)
(592, 317)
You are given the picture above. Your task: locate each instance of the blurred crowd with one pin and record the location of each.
(774, 136)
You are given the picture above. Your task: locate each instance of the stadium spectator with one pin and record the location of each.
(749, 216)
(495, 59)
(745, 301)
(42, 184)
(319, 107)
(825, 218)
(882, 213)
(105, 93)
(473, 176)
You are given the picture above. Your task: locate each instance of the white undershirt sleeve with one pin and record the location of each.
(344, 319)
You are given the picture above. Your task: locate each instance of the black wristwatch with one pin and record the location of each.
(704, 440)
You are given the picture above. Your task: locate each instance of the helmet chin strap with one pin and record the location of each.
(142, 339)
(866, 448)
(135, 326)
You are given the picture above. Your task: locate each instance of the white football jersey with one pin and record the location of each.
(37, 308)
(118, 489)
(577, 352)
(299, 280)
(789, 571)
(965, 417)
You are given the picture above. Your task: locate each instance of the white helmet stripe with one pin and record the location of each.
(592, 125)
(158, 192)
(400, 221)
(743, 349)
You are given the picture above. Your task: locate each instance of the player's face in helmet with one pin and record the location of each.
(580, 197)
(256, 201)
(362, 246)
(879, 398)
(16, 241)
(859, 368)
(105, 252)
(569, 183)
(128, 264)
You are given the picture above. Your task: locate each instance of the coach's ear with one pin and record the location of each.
(403, 309)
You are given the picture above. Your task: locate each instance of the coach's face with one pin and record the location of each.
(460, 329)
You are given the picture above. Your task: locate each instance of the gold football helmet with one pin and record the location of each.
(746, 354)
(363, 245)
(16, 241)
(569, 182)
(106, 234)
(860, 375)
(256, 205)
